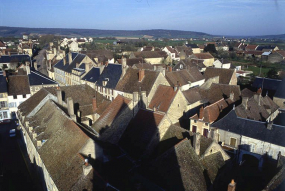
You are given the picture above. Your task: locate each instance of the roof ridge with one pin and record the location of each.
(43, 76)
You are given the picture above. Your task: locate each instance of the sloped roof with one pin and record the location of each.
(60, 64)
(150, 54)
(15, 58)
(37, 78)
(93, 75)
(145, 66)
(2, 44)
(192, 95)
(140, 132)
(3, 84)
(131, 61)
(18, 85)
(98, 53)
(203, 55)
(255, 111)
(179, 168)
(162, 98)
(183, 77)
(247, 93)
(225, 75)
(112, 73)
(130, 82)
(280, 92)
(266, 83)
(251, 128)
(118, 105)
(261, 47)
(281, 52)
(60, 154)
(192, 45)
(251, 47)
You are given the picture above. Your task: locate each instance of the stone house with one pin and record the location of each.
(195, 48)
(4, 109)
(189, 63)
(172, 53)
(222, 63)
(169, 100)
(207, 58)
(251, 137)
(144, 82)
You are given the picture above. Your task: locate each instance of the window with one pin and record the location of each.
(24, 96)
(3, 104)
(13, 104)
(14, 96)
(233, 142)
(1, 95)
(205, 132)
(194, 128)
(252, 147)
(5, 114)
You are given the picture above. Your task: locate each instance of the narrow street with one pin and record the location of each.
(14, 173)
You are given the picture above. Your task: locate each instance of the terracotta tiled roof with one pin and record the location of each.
(140, 132)
(118, 105)
(60, 154)
(253, 52)
(130, 82)
(281, 52)
(162, 98)
(18, 85)
(2, 44)
(225, 75)
(179, 168)
(183, 77)
(150, 54)
(251, 47)
(203, 55)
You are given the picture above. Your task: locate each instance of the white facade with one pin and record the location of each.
(15, 101)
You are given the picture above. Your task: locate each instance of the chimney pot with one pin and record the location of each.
(59, 95)
(94, 103)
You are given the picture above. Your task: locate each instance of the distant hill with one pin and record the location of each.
(157, 33)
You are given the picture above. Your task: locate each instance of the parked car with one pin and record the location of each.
(12, 133)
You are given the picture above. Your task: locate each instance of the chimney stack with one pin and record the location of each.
(4, 72)
(144, 99)
(69, 58)
(94, 103)
(201, 113)
(87, 67)
(141, 74)
(36, 65)
(232, 186)
(136, 103)
(70, 108)
(28, 70)
(58, 47)
(269, 125)
(54, 51)
(196, 143)
(59, 95)
(169, 68)
(244, 102)
(77, 65)
(232, 95)
(49, 64)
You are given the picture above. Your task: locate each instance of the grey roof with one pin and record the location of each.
(37, 78)
(192, 45)
(250, 128)
(266, 83)
(280, 92)
(15, 58)
(65, 67)
(112, 72)
(93, 75)
(3, 84)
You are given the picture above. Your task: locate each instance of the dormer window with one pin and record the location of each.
(14, 96)
(24, 96)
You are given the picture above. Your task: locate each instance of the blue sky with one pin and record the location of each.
(221, 17)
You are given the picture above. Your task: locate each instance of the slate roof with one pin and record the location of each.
(163, 97)
(67, 66)
(18, 85)
(225, 75)
(130, 82)
(93, 75)
(140, 132)
(251, 128)
(266, 83)
(37, 78)
(261, 47)
(3, 84)
(60, 154)
(112, 72)
(247, 93)
(192, 45)
(192, 95)
(15, 58)
(116, 107)
(184, 76)
(255, 111)
(179, 168)
(280, 92)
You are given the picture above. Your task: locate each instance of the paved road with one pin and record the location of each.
(15, 172)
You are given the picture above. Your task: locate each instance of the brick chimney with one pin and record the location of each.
(201, 113)
(196, 143)
(232, 95)
(141, 74)
(232, 186)
(169, 68)
(77, 65)
(4, 73)
(244, 102)
(28, 70)
(59, 95)
(94, 103)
